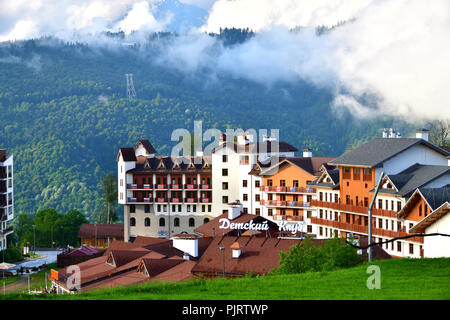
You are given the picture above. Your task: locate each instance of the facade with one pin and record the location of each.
(99, 235)
(344, 194)
(163, 195)
(6, 196)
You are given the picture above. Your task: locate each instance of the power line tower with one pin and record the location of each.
(131, 93)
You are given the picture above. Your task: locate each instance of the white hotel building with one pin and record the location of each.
(6, 196)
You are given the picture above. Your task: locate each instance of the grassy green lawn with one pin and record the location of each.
(400, 279)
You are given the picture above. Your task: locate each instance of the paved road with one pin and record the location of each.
(50, 257)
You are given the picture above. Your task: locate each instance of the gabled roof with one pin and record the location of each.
(258, 147)
(157, 266)
(437, 214)
(434, 197)
(169, 163)
(88, 230)
(332, 174)
(416, 176)
(127, 154)
(147, 146)
(378, 150)
(312, 165)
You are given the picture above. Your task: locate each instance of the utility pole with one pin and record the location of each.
(34, 236)
(223, 261)
(369, 242)
(52, 234)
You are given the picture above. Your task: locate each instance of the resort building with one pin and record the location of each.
(100, 235)
(344, 194)
(163, 195)
(6, 196)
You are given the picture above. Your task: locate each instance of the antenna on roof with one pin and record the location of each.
(131, 93)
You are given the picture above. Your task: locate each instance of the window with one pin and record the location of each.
(309, 229)
(203, 208)
(366, 202)
(121, 182)
(258, 211)
(320, 230)
(399, 246)
(308, 214)
(356, 173)
(296, 212)
(224, 158)
(224, 185)
(257, 185)
(209, 208)
(420, 210)
(224, 172)
(188, 208)
(174, 208)
(269, 182)
(158, 208)
(132, 222)
(295, 184)
(162, 222)
(132, 208)
(283, 183)
(320, 196)
(147, 208)
(224, 199)
(347, 199)
(245, 210)
(147, 222)
(426, 210)
(399, 205)
(270, 212)
(191, 222)
(411, 248)
(176, 222)
(179, 208)
(194, 208)
(121, 196)
(206, 220)
(380, 204)
(244, 183)
(257, 197)
(245, 197)
(225, 211)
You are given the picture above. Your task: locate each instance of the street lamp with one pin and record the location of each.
(223, 260)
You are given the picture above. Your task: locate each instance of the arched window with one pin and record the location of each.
(147, 222)
(162, 222)
(132, 222)
(206, 220)
(191, 222)
(176, 222)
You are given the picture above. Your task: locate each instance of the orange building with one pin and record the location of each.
(286, 192)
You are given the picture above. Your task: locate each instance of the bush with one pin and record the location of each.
(308, 256)
(12, 254)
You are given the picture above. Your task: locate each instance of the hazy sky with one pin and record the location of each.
(396, 51)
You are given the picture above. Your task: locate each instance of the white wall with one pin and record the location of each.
(438, 246)
(186, 245)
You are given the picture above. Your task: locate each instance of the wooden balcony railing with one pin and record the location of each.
(352, 208)
(284, 189)
(280, 203)
(364, 229)
(191, 186)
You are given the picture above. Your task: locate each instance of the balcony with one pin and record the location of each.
(175, 200)
(280, 203)
(6, 231)
(284, 189)
(175, 186)
(205, 186)
(161, 186)
(135, 186)
(367, 177)
(190, 186)
(205, 200)
(287, 218)
(352, 208)
(190, 200)
(364, 229)
(161, 200)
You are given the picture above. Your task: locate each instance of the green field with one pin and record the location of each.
(400, 279)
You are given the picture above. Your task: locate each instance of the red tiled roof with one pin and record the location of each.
(258, 255)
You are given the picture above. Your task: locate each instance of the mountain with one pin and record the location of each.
(64, 114)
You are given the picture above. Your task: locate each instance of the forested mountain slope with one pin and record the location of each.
(64, 114)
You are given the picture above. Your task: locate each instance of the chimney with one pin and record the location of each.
(391, 133)
(422, 134)
(244, 138)
(448, 161)
(235, 210)
(398, 135)
(199, 153)
(222, 138)
(269, 138)
(186, 256)
(235, 250)
(307, 153)
(385, 134)
(187, 243)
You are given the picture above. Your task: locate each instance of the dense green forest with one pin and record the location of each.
(64, 113)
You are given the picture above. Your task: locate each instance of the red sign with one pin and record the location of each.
(175, 186)
(175, 200)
